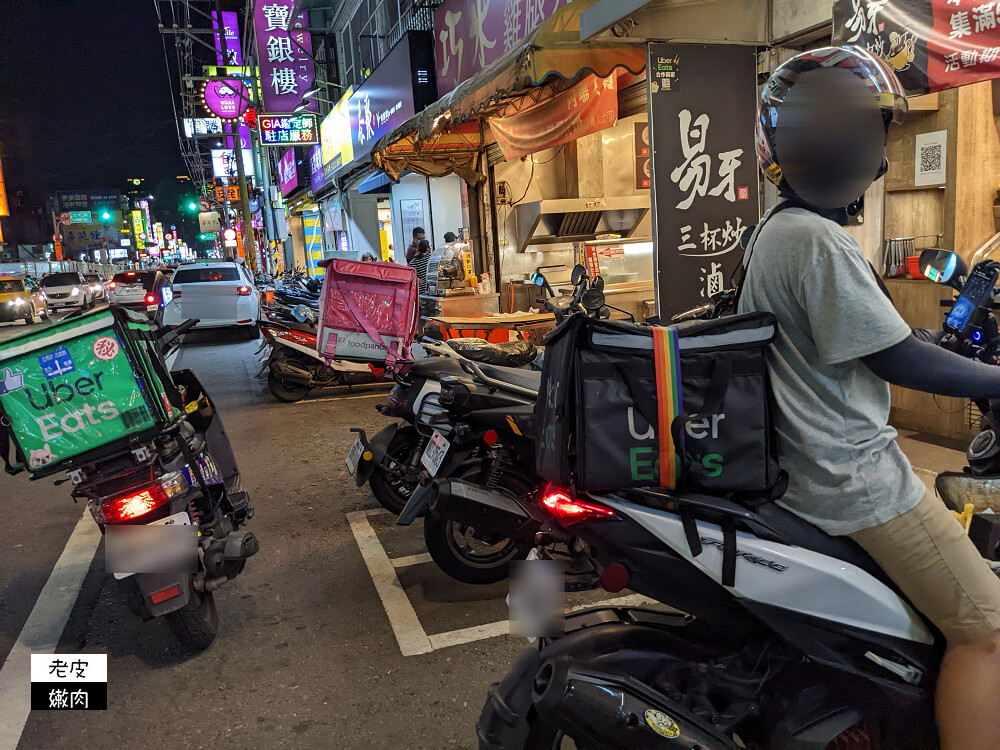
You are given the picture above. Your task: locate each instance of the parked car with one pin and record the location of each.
(21, 299)
(137, 290)
(67, 289)
(218, 294)
(96, 286)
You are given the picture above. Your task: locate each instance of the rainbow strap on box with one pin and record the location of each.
(668, 401)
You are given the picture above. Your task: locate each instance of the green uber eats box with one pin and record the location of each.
(82, 385)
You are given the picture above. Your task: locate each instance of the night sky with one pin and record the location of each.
(84, 97)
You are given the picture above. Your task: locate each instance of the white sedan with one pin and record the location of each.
(217, 293)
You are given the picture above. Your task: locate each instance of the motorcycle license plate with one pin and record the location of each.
(354, 455)
(434, 453)
(180, 519)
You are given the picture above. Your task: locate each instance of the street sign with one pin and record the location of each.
(208, 221)
(211, 236)
(288, 130)
(230, 192)
(80, 217)
(204, 204)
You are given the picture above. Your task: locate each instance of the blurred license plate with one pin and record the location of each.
(434, 453)
(354, 455)
(163, 543)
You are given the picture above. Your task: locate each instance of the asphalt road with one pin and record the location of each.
(306, 656)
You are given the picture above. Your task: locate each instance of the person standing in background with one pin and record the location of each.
(419, 263)
(450, 237)
(418, 236)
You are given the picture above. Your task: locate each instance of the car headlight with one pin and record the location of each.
(75, 292)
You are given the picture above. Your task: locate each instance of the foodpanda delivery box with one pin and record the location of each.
(368, 311)
(83, 385)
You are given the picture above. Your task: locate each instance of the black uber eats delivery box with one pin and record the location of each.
(684, 407)
(81, 386)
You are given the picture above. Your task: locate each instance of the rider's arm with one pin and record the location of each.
(926, 334)
(917, 364)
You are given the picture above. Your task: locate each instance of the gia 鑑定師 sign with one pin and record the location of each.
(282, 130)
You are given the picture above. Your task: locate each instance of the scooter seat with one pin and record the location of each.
(505, 354)
(530, 379)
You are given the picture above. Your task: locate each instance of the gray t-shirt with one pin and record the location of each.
(845, 470)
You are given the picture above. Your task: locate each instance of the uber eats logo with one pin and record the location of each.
(644, 460)
(72, 394)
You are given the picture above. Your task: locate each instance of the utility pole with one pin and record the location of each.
(250, 244)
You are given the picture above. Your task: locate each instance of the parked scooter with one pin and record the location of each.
(290, 355)
(391, 460)
(184, 476)
(808, 644)
(478, 487)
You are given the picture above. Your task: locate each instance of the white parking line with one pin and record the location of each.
(44, 627)
(402, 562)
(402, 617)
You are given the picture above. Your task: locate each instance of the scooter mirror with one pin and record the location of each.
(943, 267)
(579, 272)
(597, 284)
(537, 279)
(593, 299)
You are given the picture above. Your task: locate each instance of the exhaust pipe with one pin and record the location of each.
(486, 509)
(291, 372)
(609, 710)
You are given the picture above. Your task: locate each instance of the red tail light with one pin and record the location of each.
(112, 285)
(135, 505)
(130, 273)
(150, 299)
(568, 510)
(243, 291)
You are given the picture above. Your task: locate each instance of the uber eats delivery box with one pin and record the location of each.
(82, 385)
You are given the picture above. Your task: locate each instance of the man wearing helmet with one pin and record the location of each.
(821, 129)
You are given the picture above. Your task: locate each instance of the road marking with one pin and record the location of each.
(402, 617)
(379, 394)
(502, 627)
(44, 627)
(410, 633)
(402, 562)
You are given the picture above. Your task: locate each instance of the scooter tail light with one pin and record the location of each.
(134, 505)
(138, 503)
(568, 510)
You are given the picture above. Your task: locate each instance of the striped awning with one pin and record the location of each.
(552, 56)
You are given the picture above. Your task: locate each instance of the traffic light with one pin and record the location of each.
(192, 206)
(106, 216)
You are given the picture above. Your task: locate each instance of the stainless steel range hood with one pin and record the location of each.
(547, 222)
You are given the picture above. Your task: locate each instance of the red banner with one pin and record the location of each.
(588, 107)
(931, 44)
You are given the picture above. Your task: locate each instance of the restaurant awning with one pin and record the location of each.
(552, 56)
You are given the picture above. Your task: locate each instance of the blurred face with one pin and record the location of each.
(830, 138)
(420, 236)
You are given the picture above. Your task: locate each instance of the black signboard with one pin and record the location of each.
(702, 105)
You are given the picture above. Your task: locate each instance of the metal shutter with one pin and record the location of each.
(494, 155)
(632, 100)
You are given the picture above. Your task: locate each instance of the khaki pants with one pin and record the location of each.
(928, 555)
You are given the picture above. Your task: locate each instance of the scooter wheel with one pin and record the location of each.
(465, 557)
(392, 487)
(196, 624)
(284, 391)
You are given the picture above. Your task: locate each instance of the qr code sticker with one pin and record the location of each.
(930, 158)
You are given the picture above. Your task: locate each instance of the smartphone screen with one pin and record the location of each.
(976, 291)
